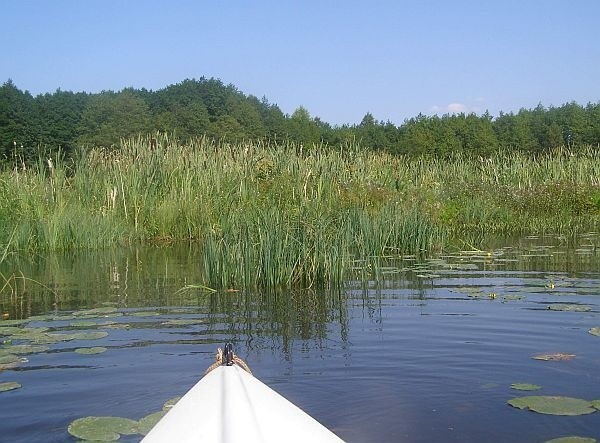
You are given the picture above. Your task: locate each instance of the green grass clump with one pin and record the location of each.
(286, 215)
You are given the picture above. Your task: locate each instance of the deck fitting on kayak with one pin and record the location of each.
(228, 354)
(228, 358)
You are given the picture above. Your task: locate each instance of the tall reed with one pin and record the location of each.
(289, 215)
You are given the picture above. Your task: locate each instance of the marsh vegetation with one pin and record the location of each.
(269, 215)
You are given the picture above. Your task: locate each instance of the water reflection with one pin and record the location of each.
(424, 348)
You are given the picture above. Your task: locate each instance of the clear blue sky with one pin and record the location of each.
(339, 59)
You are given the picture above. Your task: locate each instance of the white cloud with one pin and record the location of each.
(457, 108)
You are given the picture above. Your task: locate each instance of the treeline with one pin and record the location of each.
(208, 107)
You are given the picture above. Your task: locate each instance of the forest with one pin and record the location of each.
(31, 126)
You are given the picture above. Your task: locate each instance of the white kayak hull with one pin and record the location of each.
(229, 405)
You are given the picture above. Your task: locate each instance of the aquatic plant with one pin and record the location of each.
(102, 428)
(525, 387)
(270, 215)
(9, 386)
(553, 405)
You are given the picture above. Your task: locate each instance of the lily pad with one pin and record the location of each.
(596, 404)
(145, 314)
(94, 335)
(595, 331)
(9, 386)
(557, 356)
(13, 322)
(9, 361)
(170, 403)
(23, 349)
(83, 323)
(49, 338)
(149, 421)
(116, 326)
(553, 405)
(106, 310)
(569, 307)
(9, 330)
(525, 387)
(90, 351)
(102, 428)
(183, 322)
(572, 439)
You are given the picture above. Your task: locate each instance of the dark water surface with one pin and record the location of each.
(427, 355)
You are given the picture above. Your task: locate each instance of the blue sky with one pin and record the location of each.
(339, 59)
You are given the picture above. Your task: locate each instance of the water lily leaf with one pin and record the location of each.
(9, 358)
(93, 335)
(9, 361)
(9, 330)
(525, 387)
(569, 307)
(572, 439)
(144, 313)
(13, 322)
(596, 404)
(97, 311)
(9, 386)
(553, 405)
(511, 297)
(557, 356)
(49, 338)
(26, 332)
(170, 403)
(116, 326)
(183, 322)
(83, 323)
(24, 349)
(102, 428)
(595, 331)
(149, 421)
(90, 351)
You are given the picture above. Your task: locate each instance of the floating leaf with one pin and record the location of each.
(9, 386)
(83, 323)
(97, 311)
(13, 322)
(512, 297)
(9, 359)
(183, 322)
(572, 439)
(596, 404)
(595, 331)
(102, 428)
(48, 338)
(553, 405)
(9, 330)
(94, 335)
(525, 387)
(90, 351)
(23, 349)
(144, 313)
(557, 356)
(116, 326)
(569, 307)
(26, 332)
(170, 403)
(149, 421)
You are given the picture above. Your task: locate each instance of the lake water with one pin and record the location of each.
(427, 355)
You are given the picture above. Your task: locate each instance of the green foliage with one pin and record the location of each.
(281, 214)
(553, 405)
(31, 127)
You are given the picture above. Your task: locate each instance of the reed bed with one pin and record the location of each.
(288, 215)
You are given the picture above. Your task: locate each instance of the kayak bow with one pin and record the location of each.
(230, 405)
